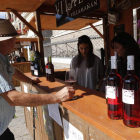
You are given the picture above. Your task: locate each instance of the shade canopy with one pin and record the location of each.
(48, 22)
(20, 5)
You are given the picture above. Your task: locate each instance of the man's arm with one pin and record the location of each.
(18, 75)
(15, 98)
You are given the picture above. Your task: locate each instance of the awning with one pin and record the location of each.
(20, 5)
(48, 22)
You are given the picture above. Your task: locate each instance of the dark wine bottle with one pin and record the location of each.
(51, 71)
(32, 67)
(130, 96)
(47, 75)
(36, 68)
(114, 92)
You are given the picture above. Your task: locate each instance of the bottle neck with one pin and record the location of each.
(50, 60)
(113, 70)
(132, 72)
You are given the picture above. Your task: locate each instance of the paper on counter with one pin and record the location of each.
(25, 88)
(70, 132)
(54, 113)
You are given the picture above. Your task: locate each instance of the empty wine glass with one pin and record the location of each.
(70, 78)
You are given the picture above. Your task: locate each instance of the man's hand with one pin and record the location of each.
(65, 94)
(35, 81)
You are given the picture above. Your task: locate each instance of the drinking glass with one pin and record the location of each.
(70, 78)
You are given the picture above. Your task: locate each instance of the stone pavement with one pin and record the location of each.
(17, 125)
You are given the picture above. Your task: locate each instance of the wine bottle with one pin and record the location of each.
(130, 96)
(51, 71)
(36, 68)
(114, 92)
(32, 67)
(47, 75)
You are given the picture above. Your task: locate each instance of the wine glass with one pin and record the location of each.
(70, 78)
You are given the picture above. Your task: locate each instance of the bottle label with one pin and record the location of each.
(46, 70)
(111, 92)
(130, 64)
(128, 96)
(113, 64)
(49, 71)
(32, 67)
(36, 72)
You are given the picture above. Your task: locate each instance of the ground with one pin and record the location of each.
(18, 125)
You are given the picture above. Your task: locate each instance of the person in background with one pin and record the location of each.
(9, 96)
(124, 44)
(21, 58)
(14, 60)
(88, 66)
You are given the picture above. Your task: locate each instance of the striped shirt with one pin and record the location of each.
(6, 111)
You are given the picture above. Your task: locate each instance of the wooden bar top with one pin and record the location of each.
(20, 63)
(91, 106)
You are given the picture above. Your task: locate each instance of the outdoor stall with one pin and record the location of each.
(82, 119)
(86, 117)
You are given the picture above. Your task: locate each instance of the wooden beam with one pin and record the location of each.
(95, 14)
(40, 3)
(18, 39)
(97, 31)
(45, 8)
(40, 41)
(27, 24)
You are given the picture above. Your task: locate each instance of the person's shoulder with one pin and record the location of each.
(96, 58)
(75, 58)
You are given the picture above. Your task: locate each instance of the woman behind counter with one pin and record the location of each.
(88, 66)
(124, 44)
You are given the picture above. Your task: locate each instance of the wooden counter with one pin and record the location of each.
(88, 114)
(24, 67)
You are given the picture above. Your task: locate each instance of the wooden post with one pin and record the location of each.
(40, 41)
(97, 31)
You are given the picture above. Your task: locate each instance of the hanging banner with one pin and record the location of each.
(76, 8)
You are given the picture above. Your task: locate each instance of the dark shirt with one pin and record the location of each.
(21, 59)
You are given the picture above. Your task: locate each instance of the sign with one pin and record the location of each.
(76, 8)
(54, 113)
(70, 132)
(61, 19)
(113, 18)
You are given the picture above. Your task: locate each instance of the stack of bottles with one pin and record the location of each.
(122, 96)
(50, 70)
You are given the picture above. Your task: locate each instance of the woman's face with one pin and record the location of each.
(84, 49)
(119, 49)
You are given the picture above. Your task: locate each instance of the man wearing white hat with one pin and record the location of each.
(9, 97)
